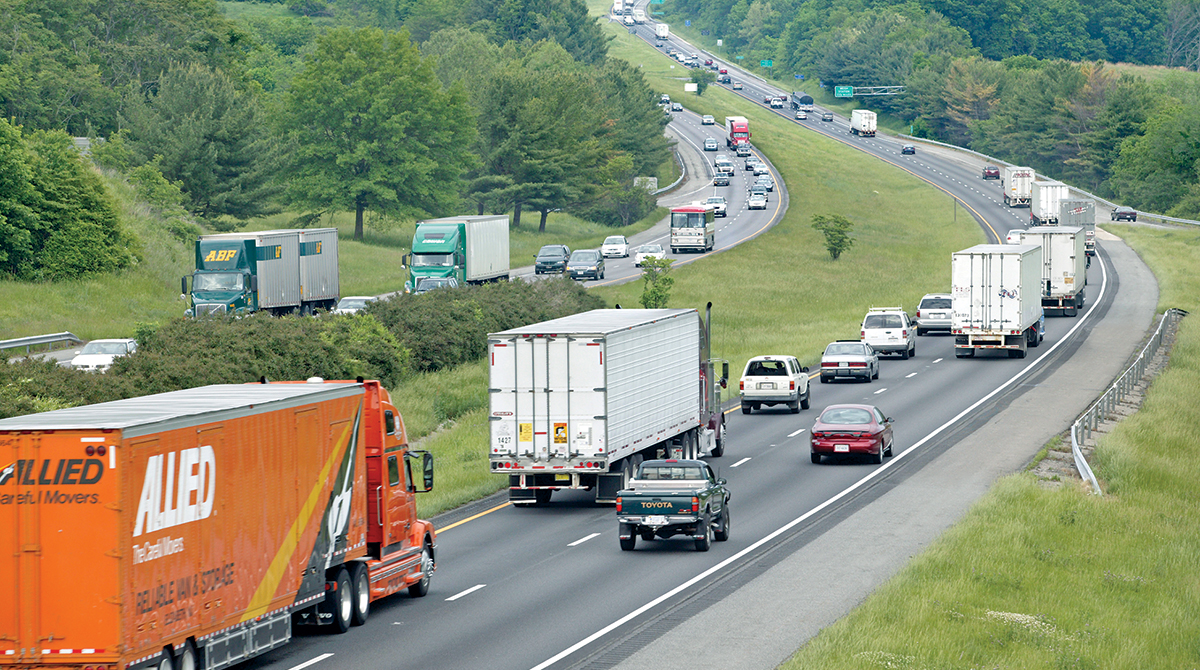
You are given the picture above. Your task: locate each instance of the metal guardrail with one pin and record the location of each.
(1108, 203)
(682, 175)
(1107, 404)
(39, 340)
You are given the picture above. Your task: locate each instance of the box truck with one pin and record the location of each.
(639, 16)
(996, 297)
(579, 402)
(737, 131)
(618, 7)
(1064, 266)
(193, 529)
(472, 249)
(661, 31)
(1016, 184)
(862, 122)
(1046, 202)
(282, 271)
(1081, 213)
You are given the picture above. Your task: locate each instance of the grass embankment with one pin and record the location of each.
(1033, 578)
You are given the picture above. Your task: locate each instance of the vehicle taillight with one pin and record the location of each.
(918, 313)
(857, 365)
(741, 386)
(695, 504)
(829, 365)
(618, 504)
(862, 334)
(792, 385)
(95, 451)
(904, 333)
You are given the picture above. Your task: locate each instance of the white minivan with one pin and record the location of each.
(889, 331)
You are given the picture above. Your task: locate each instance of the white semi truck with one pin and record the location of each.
(578, 402)
(1017, 184)
(1045, 202)
(661, 31)
(997, 299)
(639, 16)
(862, 122)
(1064, 266)
(1080, 213)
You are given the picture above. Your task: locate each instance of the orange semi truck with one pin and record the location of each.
(192, 529)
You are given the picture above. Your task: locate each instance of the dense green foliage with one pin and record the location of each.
(836, 229)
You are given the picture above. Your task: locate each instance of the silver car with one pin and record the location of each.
(757, 201)
(933, 313)
(849, 359)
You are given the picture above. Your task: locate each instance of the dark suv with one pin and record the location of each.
(551, 258)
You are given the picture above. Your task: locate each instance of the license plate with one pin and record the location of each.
(656, 521)
(841, 448)
(843, 364)
(766, 385)
(562, 478)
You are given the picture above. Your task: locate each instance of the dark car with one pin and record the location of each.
(427, 284)
(851, 429)
(827, 116)
(586, 264)
(658, 43)
(721, 179)
(676, 106)
(1124, 214)
(723, 79)
(908, 149)
(991, 172)
(551, 258)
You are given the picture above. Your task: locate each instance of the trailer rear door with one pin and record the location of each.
(59, 551)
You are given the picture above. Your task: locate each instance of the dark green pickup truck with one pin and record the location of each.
(673, 497)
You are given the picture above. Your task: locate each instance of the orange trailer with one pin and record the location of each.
(192, 529)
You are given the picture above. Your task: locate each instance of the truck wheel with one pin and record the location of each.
(166, 661)
(718, 449)
(804, 400)
(722, 533)
(704, 539)
(360, 579)
(340, 602)
(542, 496)
(421, 588)
(187, 657)
(627, 544)
(904, 355)
(794, 406)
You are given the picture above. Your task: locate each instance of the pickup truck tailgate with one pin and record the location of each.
(646, 504)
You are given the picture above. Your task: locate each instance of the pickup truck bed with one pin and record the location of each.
(673, 497)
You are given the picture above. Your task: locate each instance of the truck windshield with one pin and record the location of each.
(433, 260)
(217, 281)
(687, 220)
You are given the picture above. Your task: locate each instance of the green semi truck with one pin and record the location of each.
(471, 249)
(281, 271)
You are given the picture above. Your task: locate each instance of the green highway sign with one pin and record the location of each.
(740, 57)
(843, 91)
(766, 63)
(658, 13)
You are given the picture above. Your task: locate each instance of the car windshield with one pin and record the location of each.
(434, 260)
(616, 239)
(107, 348)
(882, 321)
(584, 256)
(353, 303)
(717, 200)
(679, 472)
(551, 252)
(217, 281)
(845, 349)
(650, 249)
(937, 303)
(767, 369)
(846, 416)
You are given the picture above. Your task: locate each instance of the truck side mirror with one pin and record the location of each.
(254, 283)
(404, 260)
(183, 285)
(426, 470)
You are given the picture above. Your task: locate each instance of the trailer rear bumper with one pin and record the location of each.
(990, 341)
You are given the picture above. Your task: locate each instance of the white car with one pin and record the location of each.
(802, 115)
(888, 330)
(98, 355)
(707, 120)
(615, 246)
(1014, 236)
(352, 303)
(710, 144)
(648, 251)
(774, 380)
(757, 201)
(934, 312)
(720, 207)
(761, 168)
(776, 103)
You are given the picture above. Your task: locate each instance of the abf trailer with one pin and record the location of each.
(1064, 266)
(189, 529)
(862, 122)
(1017, 185)
(997, 298)
(1045, 202)
(579, 402)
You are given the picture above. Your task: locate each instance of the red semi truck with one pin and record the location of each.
(193, 529)
(738, 131)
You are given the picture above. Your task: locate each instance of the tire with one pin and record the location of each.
(722, 535)
(816, 458)
(627, 544)
(187, 659)
(746, 409)
(878, 458)
(421, 588)
(904, 355)
(794, 406)
(626, 473)
(360, 580)
(804, 401)
(888, 451)
(704, 542)
(876, 374)
(920, 332)
(913, 353)
(824, 379)
(718, 449)
(341, 606)
(542, 496)
(165, 661)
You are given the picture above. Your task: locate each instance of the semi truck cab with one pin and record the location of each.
(438, 250)
(224, 280)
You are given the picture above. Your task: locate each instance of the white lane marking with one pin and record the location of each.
(937, 360)
(583, 539)
(878, 472)
(740, 462)
(318, 659)
(881, 390)
(463, 593)
(911, 374)
(797, 432)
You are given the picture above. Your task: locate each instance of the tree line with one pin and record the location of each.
(390, 110)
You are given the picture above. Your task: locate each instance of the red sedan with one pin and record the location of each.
(851, 429)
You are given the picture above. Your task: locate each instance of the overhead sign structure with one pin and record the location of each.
(843, 91)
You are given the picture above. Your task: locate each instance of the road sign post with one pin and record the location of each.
(843, 91)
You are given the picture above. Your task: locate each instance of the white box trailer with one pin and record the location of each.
(1064, 265)
(661, 31)
(862, 122)
(319, 281)
(577, 402)
(1080, 213)
(639, 16)
(1017, 184)
(997, 298)
(1045, 202)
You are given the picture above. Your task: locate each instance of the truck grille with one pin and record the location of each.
(203, 309)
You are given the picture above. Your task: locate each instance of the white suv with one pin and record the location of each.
(889, 331)
(774, 380)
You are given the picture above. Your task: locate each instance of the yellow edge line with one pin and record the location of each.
(472, 518)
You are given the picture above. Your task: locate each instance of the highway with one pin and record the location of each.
(548, 587)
